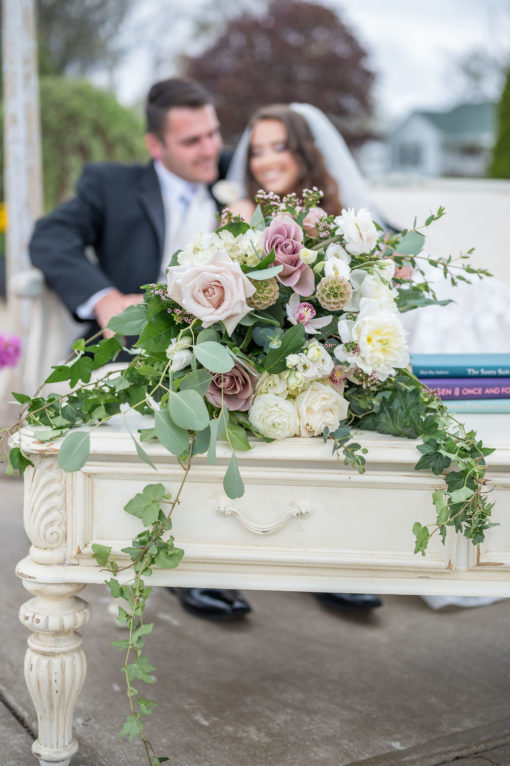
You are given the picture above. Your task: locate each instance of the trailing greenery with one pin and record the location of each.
(500, 167)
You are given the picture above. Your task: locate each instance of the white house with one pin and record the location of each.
(457, 142)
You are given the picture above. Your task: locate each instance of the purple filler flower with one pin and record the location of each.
(10, 351)
(286, 237)
(304, 313)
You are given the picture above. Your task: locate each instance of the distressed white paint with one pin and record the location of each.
(357, 539)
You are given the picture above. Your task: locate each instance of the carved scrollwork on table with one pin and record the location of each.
(44, 514)
(297, 509)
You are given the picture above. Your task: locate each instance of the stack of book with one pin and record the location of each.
(467, 382)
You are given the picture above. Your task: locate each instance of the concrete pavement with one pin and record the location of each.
(294, 685)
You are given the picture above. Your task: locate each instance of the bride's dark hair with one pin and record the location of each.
(301, 143)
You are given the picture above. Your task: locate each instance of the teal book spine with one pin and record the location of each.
(461, 365)
(478, 405)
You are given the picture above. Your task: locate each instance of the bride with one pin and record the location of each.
(289, 147)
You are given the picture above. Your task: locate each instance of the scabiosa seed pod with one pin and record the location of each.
(334, 292)
(266, 293)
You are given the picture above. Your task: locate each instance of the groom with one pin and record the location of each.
(120, 232)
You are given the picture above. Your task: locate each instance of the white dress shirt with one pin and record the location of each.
(177, 194)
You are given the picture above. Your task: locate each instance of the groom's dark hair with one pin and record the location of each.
(167, 94)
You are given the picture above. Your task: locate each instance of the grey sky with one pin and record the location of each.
(413, 45)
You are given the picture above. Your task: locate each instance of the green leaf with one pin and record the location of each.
(264, 273)
(145, 505)
(21, 398)
(106, 350)
(173, 438)
(257, 219)
(201, 441)
(142, 453)
(81, 370)
(74, 451)
(188, 410)
(168, 559)
(441, 506)
(60, 372)
(101, 553)
(422, 535)
(130, 322)
(213, 429)
(140, 669)
(197, 380)
(461, 495)
(213, 356)
(146, 706)
(130, 728)
(18, 461)
(292, 341)
(232, 481)
(237, 437)
(207, 334)
(410, 244)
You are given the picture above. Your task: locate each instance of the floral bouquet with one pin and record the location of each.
(285, 327)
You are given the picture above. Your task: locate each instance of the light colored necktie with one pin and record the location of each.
(175, 212)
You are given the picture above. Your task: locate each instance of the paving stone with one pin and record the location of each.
(15, 741)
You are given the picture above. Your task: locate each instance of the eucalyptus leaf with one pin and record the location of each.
(187, 410)
(257, 219)
(213, 436)
(173, 438)
(213, 356)
(198, 380)
(142, 453)
(232, 481)
(265, 273)
(207, 334)
(74, 451)
(410, 244)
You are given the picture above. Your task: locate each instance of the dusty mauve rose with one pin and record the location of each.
(214, 290)
(234, 389)
(286, 237)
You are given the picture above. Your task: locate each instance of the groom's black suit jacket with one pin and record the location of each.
(118, 212)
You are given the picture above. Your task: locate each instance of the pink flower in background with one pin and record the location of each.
(304, 313)
(286, 237)
(234, 389)
(10, 351)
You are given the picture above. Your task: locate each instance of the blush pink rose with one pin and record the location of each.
(234, 389)
(311, 219)
(213, 291)
(286, 237)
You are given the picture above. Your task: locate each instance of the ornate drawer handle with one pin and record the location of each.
(298, 509)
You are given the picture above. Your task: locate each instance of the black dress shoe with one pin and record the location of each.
(349, 601)
(212, 603)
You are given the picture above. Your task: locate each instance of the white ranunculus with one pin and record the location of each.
(380, 339)
(269, 383)
(320, 406)
(359, 232)
(306, 367)
(179, 353)
(336, 262)
(318, 355)
(273, 416)
(214, 291)
(366, 285)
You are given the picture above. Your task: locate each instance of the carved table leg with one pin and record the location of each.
(55, 666)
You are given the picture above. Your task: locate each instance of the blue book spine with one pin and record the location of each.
(461, 365)
(478, 405)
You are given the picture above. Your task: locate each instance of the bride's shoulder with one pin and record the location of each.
(243, 207)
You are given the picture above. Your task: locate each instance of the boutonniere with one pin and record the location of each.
(226, 192)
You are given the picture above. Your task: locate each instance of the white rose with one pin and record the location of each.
(273, 416)
(320, 406)
(212, 291)
(320, 358)
(359, 232)
(380, 339)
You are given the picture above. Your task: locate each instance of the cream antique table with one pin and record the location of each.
(306, 522)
